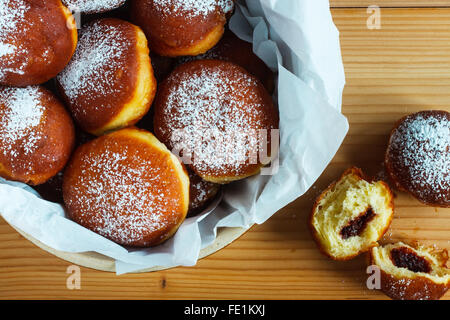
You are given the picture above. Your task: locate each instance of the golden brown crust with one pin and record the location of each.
(416, 288)
(175, 28)
(357, 172)
(212, 98)
(44, 39)
(109, 84)
(231, 48)
(36, 134)
(416, 155)
(127, 187)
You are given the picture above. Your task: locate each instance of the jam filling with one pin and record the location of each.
(406, 258)
(357, 225)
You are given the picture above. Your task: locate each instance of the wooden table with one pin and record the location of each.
(401, 68)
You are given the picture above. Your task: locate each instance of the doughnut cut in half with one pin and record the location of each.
(411, 272)
(351, 215)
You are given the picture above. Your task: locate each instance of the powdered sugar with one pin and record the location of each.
(12, 21)
(92, 70)
(214, 114)
(21, 112)
(190, 8)
(122, 193)
(423, 145)
(6, 49)
(92, 6)
(201, 191)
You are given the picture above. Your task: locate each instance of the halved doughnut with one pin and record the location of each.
(411, 272)
(351, 215)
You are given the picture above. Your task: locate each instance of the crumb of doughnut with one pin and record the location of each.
(351, 215)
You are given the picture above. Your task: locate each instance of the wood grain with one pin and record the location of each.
(402, 68)
(388, 3)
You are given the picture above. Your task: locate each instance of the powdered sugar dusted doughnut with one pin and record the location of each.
(214, 113)
(37, 40)
(231, 48)
(418, 156)
(109, 83)
(93, 6)
(127, 187)
(182, 27)
(36, 134)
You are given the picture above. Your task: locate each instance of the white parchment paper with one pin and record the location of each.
(298, 40)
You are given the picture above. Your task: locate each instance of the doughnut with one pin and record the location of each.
(351, 215)
(127, 187)
(201, 193)
(212, 113)
(231, 48)
(411, 272)
(182, 27)
(36, 134)
(109, 83)
(418, 157)
(92, 6)
(37, 40)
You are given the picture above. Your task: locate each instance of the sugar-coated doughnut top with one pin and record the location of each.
(214, 110)
(101, 51)
(21, 112)
(419, 152)
(36, 134)
(93, 6)
(192, 8)
(124, 189)
(12, 23)
(37, 39)
(181, 24)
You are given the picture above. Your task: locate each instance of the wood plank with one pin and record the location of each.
(402, 68)
(388, 3)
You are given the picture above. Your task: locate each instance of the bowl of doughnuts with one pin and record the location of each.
(141, 135)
